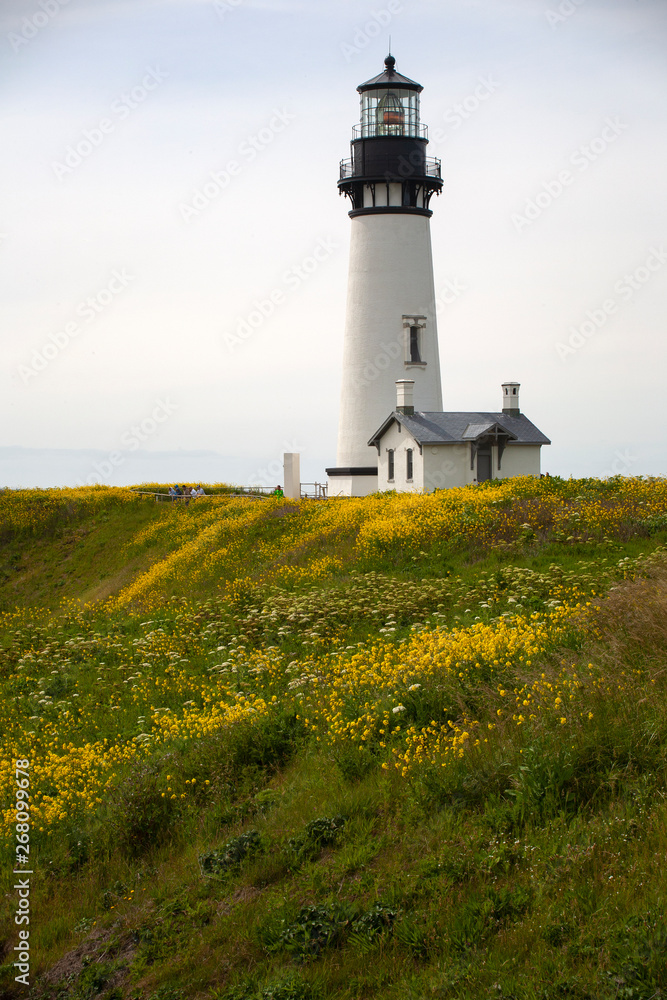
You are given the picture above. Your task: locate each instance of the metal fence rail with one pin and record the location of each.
(250, 492)
(309, 491)
(314, 491)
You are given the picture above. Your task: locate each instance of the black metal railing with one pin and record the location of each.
(375, 131)
(429, 168)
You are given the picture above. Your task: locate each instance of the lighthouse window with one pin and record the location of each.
(414, 344)
(390, 464)
(408, 464)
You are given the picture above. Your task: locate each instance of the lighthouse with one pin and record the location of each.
(390, 328)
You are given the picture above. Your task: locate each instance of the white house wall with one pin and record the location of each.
(445, 466)
(518, 460)
(399, 440)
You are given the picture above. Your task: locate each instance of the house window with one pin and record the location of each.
(414, 344)
(390, 464)
(408, 464)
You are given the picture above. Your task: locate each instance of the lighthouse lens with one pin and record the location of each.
(390, 115)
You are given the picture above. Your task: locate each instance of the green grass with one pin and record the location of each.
(78, 558)
(305, 871)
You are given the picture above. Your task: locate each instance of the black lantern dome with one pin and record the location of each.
(390, 78)
(389, 145)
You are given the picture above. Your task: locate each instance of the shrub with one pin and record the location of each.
(313, 929)
(324, 832)
(355, 762)
(480, 917)
(318, 927)
(379, 918)
(319, 833)
(269, 743)
(653, 525)
(290, 988)
(216, 863)
(143, 815)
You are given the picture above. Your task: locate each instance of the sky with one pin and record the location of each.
(173, 164)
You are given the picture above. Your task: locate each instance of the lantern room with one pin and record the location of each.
(389, 105)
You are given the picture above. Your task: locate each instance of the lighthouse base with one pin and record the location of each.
(354, 481)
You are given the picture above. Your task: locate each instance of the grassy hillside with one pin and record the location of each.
(404, 746)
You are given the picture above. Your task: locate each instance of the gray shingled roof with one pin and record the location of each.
(452, 428)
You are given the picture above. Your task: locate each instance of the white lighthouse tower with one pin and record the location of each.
(390, 330)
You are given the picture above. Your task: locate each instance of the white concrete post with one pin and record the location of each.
(292, 475)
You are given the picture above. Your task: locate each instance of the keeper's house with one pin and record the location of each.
(420, 452)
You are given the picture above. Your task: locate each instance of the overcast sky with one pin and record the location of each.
(174, 162)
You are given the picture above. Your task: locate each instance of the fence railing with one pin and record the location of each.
(311, 491)
(430, 166)
(314, 491)
(251, 492)
(376, 130)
